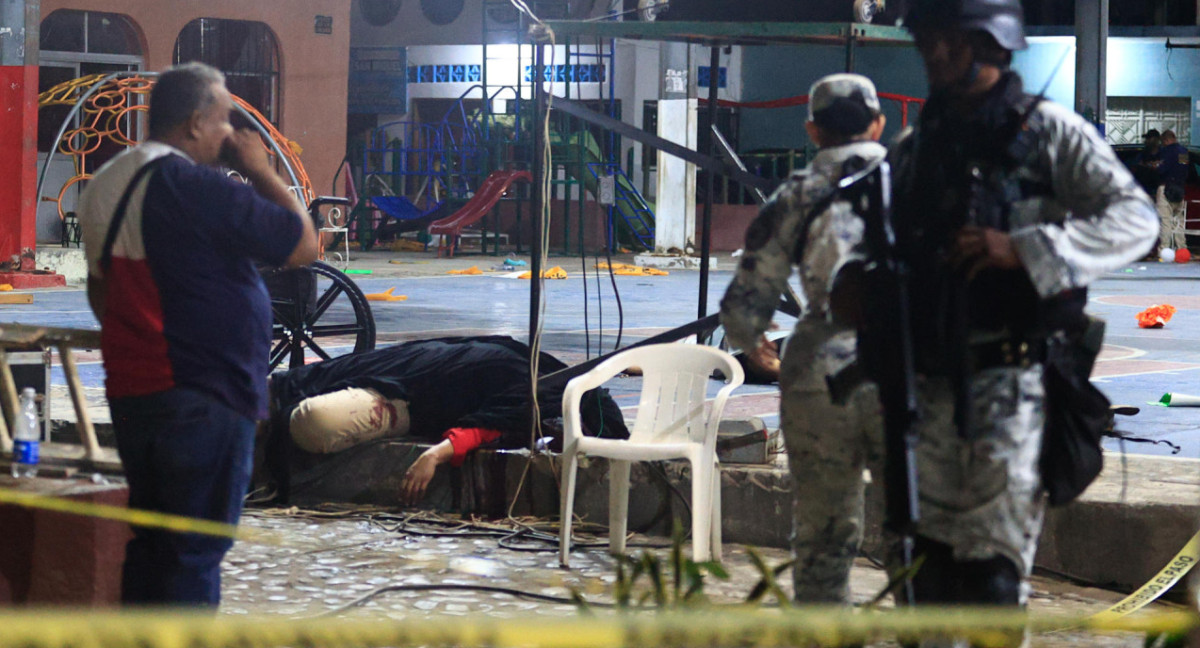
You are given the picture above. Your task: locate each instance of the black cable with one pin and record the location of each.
(616, 292)
(609, 155)
(504, 537)
(600, 308)
(507, 542)
(587, 334)
(434, 587)
(1076, 580)
(660, 469)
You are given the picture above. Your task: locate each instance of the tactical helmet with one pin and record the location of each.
(1003, 19)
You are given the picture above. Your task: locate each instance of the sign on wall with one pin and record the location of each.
(378, 80)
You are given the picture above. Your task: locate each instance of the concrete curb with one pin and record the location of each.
(1126, 527)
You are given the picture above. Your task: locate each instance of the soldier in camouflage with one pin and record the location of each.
(804, 223)
(1006, 208)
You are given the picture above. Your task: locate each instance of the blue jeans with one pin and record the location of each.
(185, 454)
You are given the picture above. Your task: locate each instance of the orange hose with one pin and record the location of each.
(101, 117)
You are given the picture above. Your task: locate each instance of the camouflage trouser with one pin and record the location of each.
(982, 494)
(828, 447)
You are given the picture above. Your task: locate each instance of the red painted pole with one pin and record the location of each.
(19, 23)
(18, 161)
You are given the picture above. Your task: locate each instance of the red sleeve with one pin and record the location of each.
(464, 440)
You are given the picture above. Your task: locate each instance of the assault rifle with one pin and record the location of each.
(885, 350)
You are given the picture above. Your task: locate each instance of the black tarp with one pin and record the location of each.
(451, 382)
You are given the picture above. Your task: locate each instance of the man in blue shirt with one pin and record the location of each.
(1169, 200)
(1145, 164)
(185, 320)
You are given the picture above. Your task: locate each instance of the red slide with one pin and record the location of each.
(495, 186)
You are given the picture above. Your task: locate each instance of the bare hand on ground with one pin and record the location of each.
(417, 479)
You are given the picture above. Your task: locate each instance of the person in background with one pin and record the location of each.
(828, 444)
(1145, 163)
(1169, 199)
(185, 321)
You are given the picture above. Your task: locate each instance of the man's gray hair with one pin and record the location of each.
(179, 93)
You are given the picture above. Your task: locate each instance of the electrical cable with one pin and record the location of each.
(583, 263)
(617, 295)
(403, 524)
(433, 587)
(608, 155)
(599, 307)
(542, 221)
(587, 333)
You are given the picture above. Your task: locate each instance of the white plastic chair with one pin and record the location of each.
(672, 423)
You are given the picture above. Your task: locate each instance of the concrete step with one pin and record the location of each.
(68, 262)
(1125, 527)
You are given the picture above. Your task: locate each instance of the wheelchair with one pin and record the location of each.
(316, 307)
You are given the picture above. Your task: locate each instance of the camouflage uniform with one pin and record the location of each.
(1073, 212)
(828, 445)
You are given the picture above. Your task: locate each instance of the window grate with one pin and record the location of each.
(245, 51)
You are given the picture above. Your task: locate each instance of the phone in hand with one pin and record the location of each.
(228, 156)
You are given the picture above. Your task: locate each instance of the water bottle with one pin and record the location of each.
(26, 438)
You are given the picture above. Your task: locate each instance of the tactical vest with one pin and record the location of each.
(947, 180)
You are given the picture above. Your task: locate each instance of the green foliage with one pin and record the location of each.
(647, 581)
(1167, 640)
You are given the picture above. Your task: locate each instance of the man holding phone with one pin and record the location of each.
(171, 245)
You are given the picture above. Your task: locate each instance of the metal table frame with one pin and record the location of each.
(21, 337)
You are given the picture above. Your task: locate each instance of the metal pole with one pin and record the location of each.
(851, 41)
(714, 63)
(1091, 53)
(538, 218)
(19, 47)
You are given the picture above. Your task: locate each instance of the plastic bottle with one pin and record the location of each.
(27, 437)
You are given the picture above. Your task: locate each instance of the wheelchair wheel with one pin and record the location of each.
(309, 316)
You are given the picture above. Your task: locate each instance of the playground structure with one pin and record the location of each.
(489, 193)
(438, 166)
(308, 304)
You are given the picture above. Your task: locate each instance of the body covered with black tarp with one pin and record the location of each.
(450, 382)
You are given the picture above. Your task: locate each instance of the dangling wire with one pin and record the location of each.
(600, 308)
(543, 221)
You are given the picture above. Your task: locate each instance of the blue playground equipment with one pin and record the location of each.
(407, 216)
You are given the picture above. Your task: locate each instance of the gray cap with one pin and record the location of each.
(843, 103)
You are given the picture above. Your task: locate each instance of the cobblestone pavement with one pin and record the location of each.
(342, 564)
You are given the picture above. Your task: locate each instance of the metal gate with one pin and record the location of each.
(1128, 118)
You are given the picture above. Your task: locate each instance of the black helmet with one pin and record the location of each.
(1003, 19)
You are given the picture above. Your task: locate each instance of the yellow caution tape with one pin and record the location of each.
(1111, 618)
(821, 625)
(182, 524)
(1176, 569)
(138, 517)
